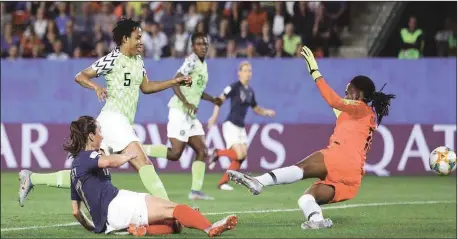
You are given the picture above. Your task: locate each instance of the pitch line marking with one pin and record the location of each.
(330, 207)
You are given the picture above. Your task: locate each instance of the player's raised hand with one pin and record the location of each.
(101, 94)
(311, 62)
(269, 113)
(184, 81)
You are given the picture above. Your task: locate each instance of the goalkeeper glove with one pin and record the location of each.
(311, 63)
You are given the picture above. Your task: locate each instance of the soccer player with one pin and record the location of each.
(112, 209)
(340, 166)
(242, 97)
(125, 75)
(183, 127)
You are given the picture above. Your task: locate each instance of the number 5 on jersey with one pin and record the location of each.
(127, 79)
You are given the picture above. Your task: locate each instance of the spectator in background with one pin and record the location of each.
(136, 7)
(100, 50)
(36, 51)
(298, 50)
(221, 39)
(48, 42)
(159, 40)
(77, 53)
(231, 50)
(336, 11)
(324, 34)
(169, 19)
(28, 42)
(84, 22)
(5, 16)
(86, 46)
(99, 35)
(279, 49)
(244, 38)
(40, 23)
(178, 41)
(411, 41)
(146, 14)
(8, 39)
(444, 38)
(256, 19)
(58, 54)
(213, 19)
(62, 19)
(191, 18)
(13, 53)
(266, 45)
(250, 51)
(279, 19)
(203, 7)
(71, 39)
(147, 39)
(290, 40)
(51, 27)
(105, 18)
(235, 18)
(303, 21)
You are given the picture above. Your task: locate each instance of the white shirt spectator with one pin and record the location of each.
(58, 56)
(40, 27)
(278, 26)
(159, 42)
(313, 5)
(191, 21)
(180, 42)
(147, 44)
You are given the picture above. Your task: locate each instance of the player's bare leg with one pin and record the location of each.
(197, 143)
(316, 195)
(237, 154)
(174, 153)
(311, 167)
(146, 170)
(160, 209)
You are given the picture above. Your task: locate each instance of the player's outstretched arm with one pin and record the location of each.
(149, 87)
(353, 107)
(80, 217)
(263, 111)
(115, 160)
(212, 119)
(84, 78)
(214, 100)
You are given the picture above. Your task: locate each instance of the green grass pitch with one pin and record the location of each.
(393, 207)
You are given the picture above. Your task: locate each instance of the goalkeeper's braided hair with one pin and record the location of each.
(124, 28)
(79, 132)
(379, 100)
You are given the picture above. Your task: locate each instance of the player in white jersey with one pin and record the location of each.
(125, 75)
(183, 127)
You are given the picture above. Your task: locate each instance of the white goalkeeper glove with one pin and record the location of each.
(311, 63)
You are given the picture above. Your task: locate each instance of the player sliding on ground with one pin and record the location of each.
(340, 166)
(112, 209)
(125, 75)
(183, 127)
(242, 96)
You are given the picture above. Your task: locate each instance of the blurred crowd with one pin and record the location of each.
(62, 30)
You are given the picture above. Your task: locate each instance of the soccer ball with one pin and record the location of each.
(442, 160)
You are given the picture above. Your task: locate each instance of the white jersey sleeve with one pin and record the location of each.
(189, 65)
(105, 65)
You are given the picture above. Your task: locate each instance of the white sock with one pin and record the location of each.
(285, 175)
(312, 211)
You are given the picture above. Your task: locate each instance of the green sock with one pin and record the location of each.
(156, 151)
(60, 179)
(198, 174)
(152, 182)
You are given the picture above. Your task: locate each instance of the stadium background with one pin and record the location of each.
(46, 44)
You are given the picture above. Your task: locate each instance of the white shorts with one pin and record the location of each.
(234, 134)
(181, 126)
(117, 132)
(127, 208)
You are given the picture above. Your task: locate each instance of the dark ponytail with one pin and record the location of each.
(79, 132)
(381, 103)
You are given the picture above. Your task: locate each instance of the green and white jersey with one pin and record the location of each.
(123, 76)
(197, 69)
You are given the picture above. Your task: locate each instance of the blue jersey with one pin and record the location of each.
(92, 185)
(241, 98)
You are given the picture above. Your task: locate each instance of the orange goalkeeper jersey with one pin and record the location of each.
(355, 123)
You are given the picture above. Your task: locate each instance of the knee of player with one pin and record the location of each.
(174, 156)
(241, 155)
(202, 153)
(305, 200)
